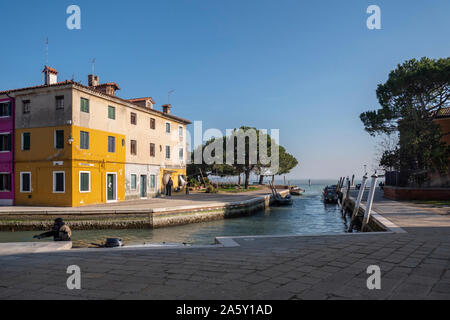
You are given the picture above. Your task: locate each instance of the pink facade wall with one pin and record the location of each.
(7, 158)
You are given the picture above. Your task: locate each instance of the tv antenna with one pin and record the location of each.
(46, 52)
(93, 67)
(168, 95)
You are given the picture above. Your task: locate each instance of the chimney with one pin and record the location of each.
(166, 108)
(93, 80)
(50, 75)
(108, 88)
(143, 102)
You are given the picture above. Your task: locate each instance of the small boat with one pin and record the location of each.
(296, 191)
(286, 201)
(330, 194)
(279, 200)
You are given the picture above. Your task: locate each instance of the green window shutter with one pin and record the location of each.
(84, 181)
(59, 182)
(84, 140)
(133, 182)
(59, 139)
(111, 112)
(111, 144)
(152, 181)
(26, 141)
(84, 105)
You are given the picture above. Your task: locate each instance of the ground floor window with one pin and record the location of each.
(133, 182)
(85, 181)
(25, 182)
(152, 181)
(59, 182)
(5, 182)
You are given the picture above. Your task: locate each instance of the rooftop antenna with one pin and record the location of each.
(168, 95)
(46, 52)
(93, 67)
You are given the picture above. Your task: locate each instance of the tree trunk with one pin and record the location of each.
(239, 180)
(247, 179)
(261, 179)
(273, 179)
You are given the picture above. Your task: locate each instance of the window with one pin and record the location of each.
(84, 140)
(112, 113)
(5, 182)
(25, 182)
(167, 127)
(5, 142)
(133, 147)
(58, 182)
(152, 150)
(59, 102)
(133, 185)
(59, 139)
(26, 141)
(26, 106)
(133, 118)
(85, 181)
(5, 109)
(181, 153)
(167, 152)
(152, 181)
(180, 131)
(111, 144)
(152, 123)
(84, 105)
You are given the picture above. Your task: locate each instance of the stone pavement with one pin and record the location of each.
(174, 202)
(414, 265)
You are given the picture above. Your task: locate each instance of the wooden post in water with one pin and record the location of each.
(358, 203)
(373, 187)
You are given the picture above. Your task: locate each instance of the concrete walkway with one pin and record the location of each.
(414, 265)
(178, 201)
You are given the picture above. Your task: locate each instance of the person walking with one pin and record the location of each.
(169, 187)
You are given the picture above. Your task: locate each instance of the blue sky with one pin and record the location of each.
(308, 68)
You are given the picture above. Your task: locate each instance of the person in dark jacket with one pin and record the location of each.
(59, 232)
(169, 187)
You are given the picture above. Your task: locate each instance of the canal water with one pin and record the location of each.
(308, 215)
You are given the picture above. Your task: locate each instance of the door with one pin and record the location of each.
(143, 186)
(111, 187)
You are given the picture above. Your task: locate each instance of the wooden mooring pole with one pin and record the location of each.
(358, 203)
(373, 187)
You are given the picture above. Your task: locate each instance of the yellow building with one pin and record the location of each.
(77, 145)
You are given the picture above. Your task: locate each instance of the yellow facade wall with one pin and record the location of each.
(43, 159)
(98, 162)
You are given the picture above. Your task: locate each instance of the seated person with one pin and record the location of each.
(59, 232)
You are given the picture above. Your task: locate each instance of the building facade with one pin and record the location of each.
(6, 151)
(77, 145)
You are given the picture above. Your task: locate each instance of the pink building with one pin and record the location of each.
(6, 151)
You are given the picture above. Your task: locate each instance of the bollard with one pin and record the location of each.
(358, 202)
(373, 187)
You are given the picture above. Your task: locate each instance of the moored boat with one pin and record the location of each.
(296, 191)
(330, 194)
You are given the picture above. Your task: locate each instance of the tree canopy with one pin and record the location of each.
(414, 94)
